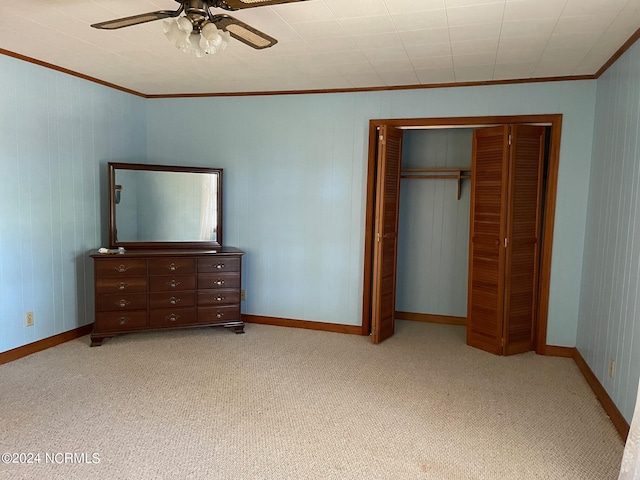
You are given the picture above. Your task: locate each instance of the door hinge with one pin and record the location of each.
(378, 236)
(506, 242)
(502, 343)
(509, 139)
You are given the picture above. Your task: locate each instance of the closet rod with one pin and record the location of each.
(453, 177)
(436, 170)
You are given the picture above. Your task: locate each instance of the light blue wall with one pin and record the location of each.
(295, 175)
(609, 326)
(433, 230)
(56, 134)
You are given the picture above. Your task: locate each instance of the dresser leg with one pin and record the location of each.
(96, 341)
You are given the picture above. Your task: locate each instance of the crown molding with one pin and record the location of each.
(625, 46)
(376, 89)
(57, 68)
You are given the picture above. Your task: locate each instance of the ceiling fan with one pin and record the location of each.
(198, 13)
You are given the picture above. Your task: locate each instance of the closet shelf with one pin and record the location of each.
(458, 174)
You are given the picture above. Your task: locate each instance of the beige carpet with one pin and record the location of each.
(282, 403)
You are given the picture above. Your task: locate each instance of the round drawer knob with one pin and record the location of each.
(219, 315)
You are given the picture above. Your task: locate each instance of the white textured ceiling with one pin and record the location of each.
(329, 44)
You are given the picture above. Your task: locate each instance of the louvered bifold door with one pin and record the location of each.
(386, 233)
(485, 305)
(523, 230)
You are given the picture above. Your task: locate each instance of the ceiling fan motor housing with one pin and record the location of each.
(198, 12)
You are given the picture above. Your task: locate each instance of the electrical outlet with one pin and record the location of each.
(612, 367)
(243, 295)
(28, 319)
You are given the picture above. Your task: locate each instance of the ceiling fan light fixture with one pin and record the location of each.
(184, 24)
(205, 39)
(194, 45)
(177, 32)
(210, 32)
(213, 39)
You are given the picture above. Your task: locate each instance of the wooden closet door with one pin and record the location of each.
(526, 165)
(485, 303)
(386, 227)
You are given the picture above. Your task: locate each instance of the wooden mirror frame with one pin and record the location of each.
(196, 244)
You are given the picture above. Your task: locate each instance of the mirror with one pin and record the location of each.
(160, 206)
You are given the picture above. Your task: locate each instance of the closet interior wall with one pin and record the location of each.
(433, 230)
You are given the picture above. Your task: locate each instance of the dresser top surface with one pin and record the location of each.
(169, 253)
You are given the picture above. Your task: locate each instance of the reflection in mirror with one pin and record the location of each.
(161, 204)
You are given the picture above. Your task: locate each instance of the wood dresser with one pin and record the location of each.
(159, 289)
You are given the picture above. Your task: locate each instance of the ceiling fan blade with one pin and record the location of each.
(137, 19)
(240, 4)
(243, 32)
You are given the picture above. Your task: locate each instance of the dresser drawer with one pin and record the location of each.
(169, 317)
(121, 267)
(160, 266)
(218, 264)
(134, 301)
(117, 321)
(219, 314)
(218, 280)
(123, 285)
(172, 299)
(170, 283)
(218, 297)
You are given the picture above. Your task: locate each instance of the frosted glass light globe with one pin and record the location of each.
(185, 24)
(209, 31)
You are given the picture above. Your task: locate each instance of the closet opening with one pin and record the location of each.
(433, 231)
